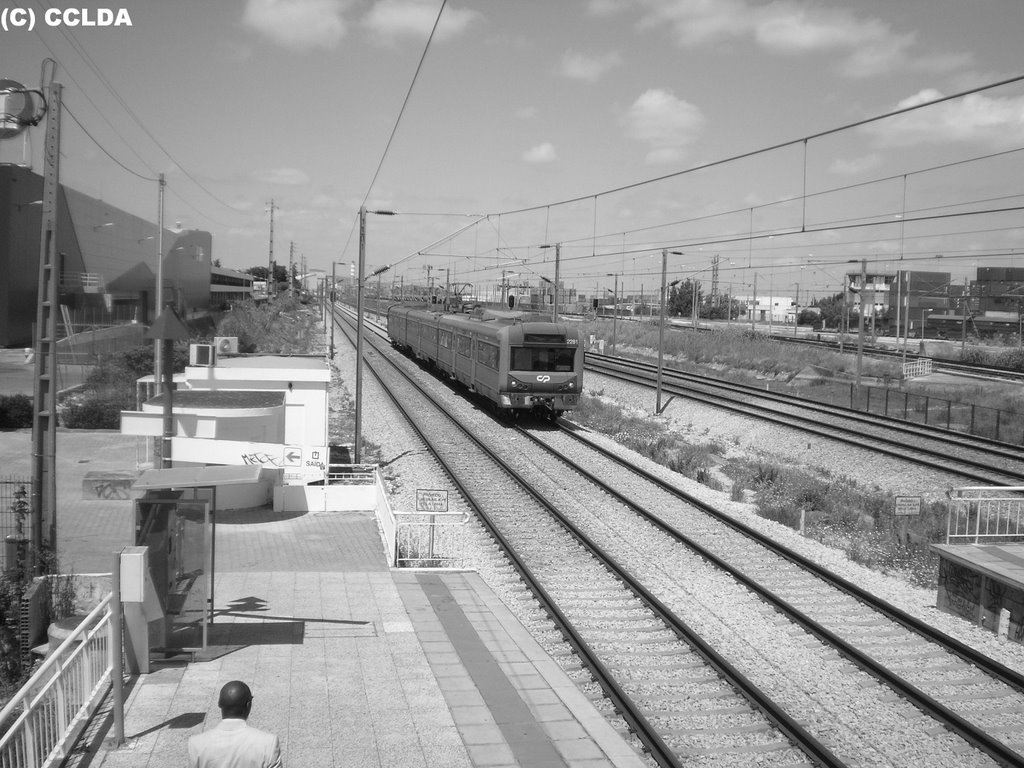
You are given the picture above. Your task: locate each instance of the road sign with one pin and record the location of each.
(907, 506)
(431, 501)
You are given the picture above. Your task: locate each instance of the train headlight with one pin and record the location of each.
(567, 386)
(517, 385)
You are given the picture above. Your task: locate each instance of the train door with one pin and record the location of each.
(464, 358)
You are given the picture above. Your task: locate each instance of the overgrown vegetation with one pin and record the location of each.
(833, 510)
(15, 411)
(281, 327)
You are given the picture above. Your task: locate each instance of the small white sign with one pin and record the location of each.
(907, 506)
(431, 501)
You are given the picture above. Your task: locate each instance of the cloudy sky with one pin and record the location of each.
(615, 128)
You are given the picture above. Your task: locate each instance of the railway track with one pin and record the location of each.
(973, 458)
(654, 641)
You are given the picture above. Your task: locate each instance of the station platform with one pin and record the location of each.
(351, 663)
(984, 583)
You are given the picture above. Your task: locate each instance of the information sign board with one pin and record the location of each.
(907, 506)
(431, 500)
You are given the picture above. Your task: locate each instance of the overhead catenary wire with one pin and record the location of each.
(802, 228)
(84, 54)
(405, 102)
(771, 148)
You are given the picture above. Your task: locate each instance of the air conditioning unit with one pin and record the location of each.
(226, 345)
(201, 354)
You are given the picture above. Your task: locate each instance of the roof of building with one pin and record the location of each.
(305, 362)
(200, 398)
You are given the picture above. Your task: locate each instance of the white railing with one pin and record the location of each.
(43, 720)
(985, 514)
(917, 368)
(429, 539)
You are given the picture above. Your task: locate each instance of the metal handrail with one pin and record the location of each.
(985, 514)
(52, 708)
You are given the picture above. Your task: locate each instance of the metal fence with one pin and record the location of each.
(13, 490)
(920, 367)
(430, 539)
(990, 515)
(43, 720)
(997, 424)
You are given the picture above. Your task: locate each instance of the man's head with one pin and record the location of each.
(235, 700)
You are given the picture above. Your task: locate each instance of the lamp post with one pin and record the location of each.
(615, 306)
(554, 297)
(796, 309)
(359, 326)
(158, 356)
(661, 323)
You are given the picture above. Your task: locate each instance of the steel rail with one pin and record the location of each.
(997, 447)
(923, 701)
(797, 734)
(886, 446)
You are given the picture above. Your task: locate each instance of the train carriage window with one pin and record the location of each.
(464, 345)
(446, 339)
(487, 354)
(542, 359)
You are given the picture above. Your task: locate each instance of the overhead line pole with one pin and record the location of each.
(44, 423)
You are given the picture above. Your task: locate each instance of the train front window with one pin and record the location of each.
(542, 359)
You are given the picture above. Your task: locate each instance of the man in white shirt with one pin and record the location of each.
(233, 743)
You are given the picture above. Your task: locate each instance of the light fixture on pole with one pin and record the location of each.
(358, 449)
(661, 323)
(554, 298)
(158, 362)
(330, 299)
(615, 306)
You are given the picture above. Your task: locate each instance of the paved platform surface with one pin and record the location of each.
(351, 663)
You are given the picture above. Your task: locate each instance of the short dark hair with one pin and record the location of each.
(235, 699)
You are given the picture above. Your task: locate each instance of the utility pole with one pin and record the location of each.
(860, 323)
(158, 359)
(796, 310)
(753, 308)
(44, 424)
(963, 329)
(270, 260)
(558, 267)
(331, 299)
(291, 273)
(906, 319)
(358, 448)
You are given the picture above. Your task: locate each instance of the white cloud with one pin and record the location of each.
(865, 46)
(856, 165)
(297, 24)
(998, 122)
(580, 66)
(289, 177)
(607, 7)
(392, 20)
(526, 113)
(542, 153)
(668, 124)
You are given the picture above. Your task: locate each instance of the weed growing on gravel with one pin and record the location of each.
(651, 439)
(835, 511)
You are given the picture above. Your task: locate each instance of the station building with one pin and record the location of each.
(106, 262)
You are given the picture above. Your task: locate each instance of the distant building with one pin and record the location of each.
(106, 260)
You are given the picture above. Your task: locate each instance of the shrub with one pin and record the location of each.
(98, 410)
(15, 411)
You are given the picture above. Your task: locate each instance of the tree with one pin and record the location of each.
(680, 300)
(833, 309)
